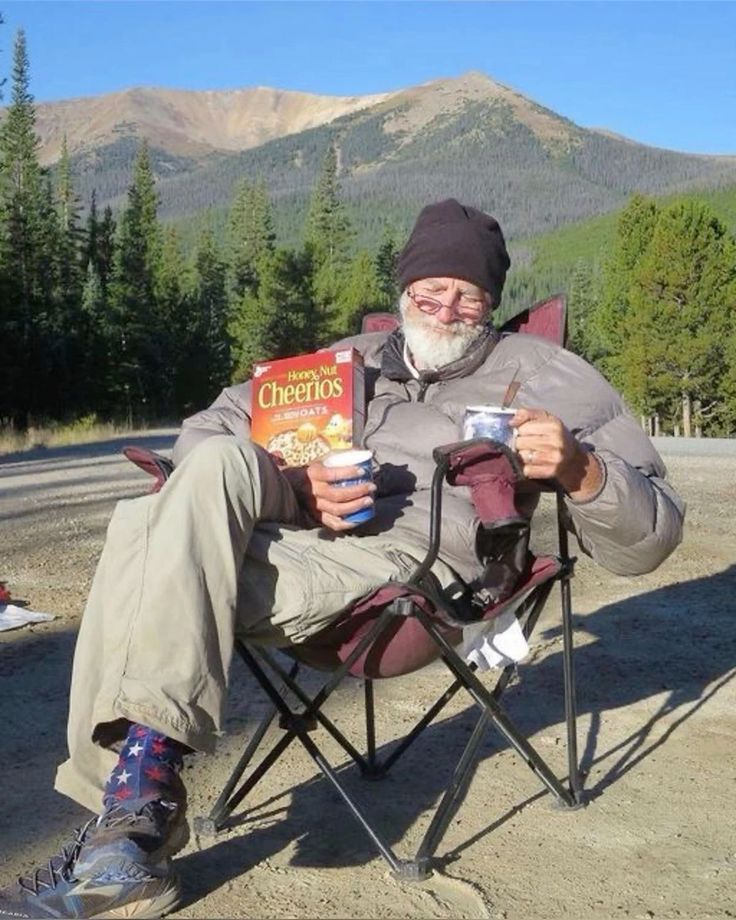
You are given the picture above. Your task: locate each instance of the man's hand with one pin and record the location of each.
(326, 502)
(549, 451)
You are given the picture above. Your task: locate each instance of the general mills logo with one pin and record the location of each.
(260, 369)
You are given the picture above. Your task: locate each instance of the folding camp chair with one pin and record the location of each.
(401, 627)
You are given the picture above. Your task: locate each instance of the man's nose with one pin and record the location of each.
(447, 313)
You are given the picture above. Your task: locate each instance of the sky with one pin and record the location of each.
(662, 73)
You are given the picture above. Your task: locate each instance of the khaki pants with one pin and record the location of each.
(219, 552)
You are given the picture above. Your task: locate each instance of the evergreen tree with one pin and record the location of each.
(666, 302)
(181, 327)
(212, 308)
(70, 247)
(137, 328)
(726, 420)
(582, 303)
(682, 293)
(250, 237)
(278, 321)
(386, 271)
(95, 334)
(610, 325)
(70, 234)
(92, 230)
(361, 293)
(328, 235)
(105, 249)
(23, 207)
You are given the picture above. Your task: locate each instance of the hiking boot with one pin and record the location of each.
(146, 834)
(117, 865)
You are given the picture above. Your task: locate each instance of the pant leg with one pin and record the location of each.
(156, 637)
(295, 582)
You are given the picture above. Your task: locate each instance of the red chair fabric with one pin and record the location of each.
(379, 322)
(405, 646)
(547, 319)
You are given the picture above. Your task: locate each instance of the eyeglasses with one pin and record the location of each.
(466, 306)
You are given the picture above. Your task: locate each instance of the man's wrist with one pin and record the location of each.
(298, 479)
(585, 477)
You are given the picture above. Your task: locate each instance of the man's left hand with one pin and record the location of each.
(549, 451)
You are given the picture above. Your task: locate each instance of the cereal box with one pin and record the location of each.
(306, 406)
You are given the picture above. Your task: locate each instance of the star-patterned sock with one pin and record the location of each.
(147, 768)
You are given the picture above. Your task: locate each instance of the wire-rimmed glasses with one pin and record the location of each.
(467, 309)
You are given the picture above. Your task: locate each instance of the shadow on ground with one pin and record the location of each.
(45, 457)
(632, 658)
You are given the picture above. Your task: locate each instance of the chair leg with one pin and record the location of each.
(496, 714)
(575, 778)
(373, 769)
(223, 807)
(298, 728)
(312, 713)
(454, 794)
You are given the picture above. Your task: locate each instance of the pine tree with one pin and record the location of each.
(105, 249)
(94, 335)
(386, 271)
(137, 328)
(91, 234)
(212, 308)
(175, 293)
(328, 235)
(582, 303)
(726, 420)
(23, 207)
(250, 237)
(70, 233)
(278, 321)
(610, 324)
(361, 293)
(682, 294)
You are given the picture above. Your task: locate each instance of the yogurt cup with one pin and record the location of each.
(489, 422)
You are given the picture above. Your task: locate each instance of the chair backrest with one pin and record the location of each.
(379, 322)
(546, 318)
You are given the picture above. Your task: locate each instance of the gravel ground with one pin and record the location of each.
(656, 658)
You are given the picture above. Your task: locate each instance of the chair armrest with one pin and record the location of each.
(150, 462)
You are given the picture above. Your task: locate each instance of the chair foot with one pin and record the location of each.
(373, 773)
(206, 826)
(580, 800)
(413, 870)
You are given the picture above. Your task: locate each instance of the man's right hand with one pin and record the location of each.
(326, 502)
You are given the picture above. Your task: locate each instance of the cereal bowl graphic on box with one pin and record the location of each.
(304, 407)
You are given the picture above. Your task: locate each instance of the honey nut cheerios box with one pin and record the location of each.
(304, 407)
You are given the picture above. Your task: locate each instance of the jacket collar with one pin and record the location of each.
(394, 367)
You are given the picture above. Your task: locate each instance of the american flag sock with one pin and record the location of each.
(147, 768)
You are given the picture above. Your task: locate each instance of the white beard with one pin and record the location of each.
(433, 344)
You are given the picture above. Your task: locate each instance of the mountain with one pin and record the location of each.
(469, 137)
(186, 123)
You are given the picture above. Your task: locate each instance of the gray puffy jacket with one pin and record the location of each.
(629, 527)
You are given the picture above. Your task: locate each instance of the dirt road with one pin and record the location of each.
(656, 662)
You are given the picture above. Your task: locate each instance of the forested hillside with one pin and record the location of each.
(470, 137)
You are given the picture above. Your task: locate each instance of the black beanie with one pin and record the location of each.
(451, 240)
